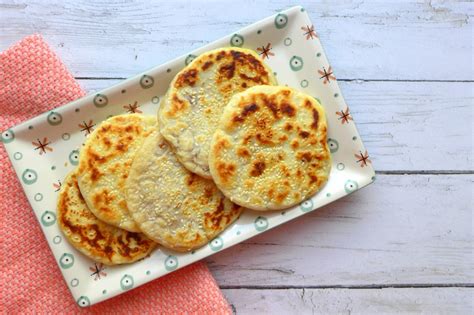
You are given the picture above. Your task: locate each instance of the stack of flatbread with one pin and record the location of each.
(226, 138)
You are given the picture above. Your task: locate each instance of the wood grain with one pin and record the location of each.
(350, 301)
(413, 232)
(376, 40)
(414, 229)
(409, 126)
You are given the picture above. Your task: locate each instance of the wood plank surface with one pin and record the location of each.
(352, 301)
(403, 229)
(409, 126)
(376, 40)
(401, 245)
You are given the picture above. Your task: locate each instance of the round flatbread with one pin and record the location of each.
(176, 208)
(104, 163)
(270, 150)
(193, 105)
(97, 240)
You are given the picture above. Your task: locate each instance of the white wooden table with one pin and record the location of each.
(404, 244)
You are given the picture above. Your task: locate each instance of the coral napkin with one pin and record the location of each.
(32, 81)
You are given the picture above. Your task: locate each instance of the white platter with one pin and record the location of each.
(290, 46)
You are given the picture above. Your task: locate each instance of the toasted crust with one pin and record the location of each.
(197, 96)
(95, 239)
(270, 149)
(104, 162)
(171, 205)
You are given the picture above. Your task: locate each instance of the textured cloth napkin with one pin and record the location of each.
(32, 81)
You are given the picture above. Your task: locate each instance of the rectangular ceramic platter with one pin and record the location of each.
(296, 57)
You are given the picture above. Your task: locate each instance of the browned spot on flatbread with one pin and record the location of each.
(103, 198)
(248, 109)
(304, 134)
(123, 204)
(305, 156)
(285, 170)
(177, 105)
(108, 197)
(207, 65)
(255, 64)
(237, 119)
(189, 77)
(248, 183)
(295, 144)
(246, 138)
(314, 125)
(227, 70)
(95, 174)
(220, 55)
(226, 171)
(308, 104)
(258, 168)
(114, 168)
(215, 219)
(121, 147)
(225, 88)
(94, 159)
(191, 179)
(265, 137)
(208, 192)
(243, 152)
(105, 129)
(251, 108)
(237, 54)
(256, 79)
(107, 142)
(106, 211)
(281, 196)
(287, 109)
(273, 107)
(285, 92)
(270, 193)
(221, 144)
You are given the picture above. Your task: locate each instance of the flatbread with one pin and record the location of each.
(97, 240)
(104, 162)
(176, 208)
(270, 150)
(191, 110)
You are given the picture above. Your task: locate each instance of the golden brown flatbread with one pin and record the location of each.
(270, 150)
(104, 163)
(176, 208)
(193, 105)
(92, 237)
